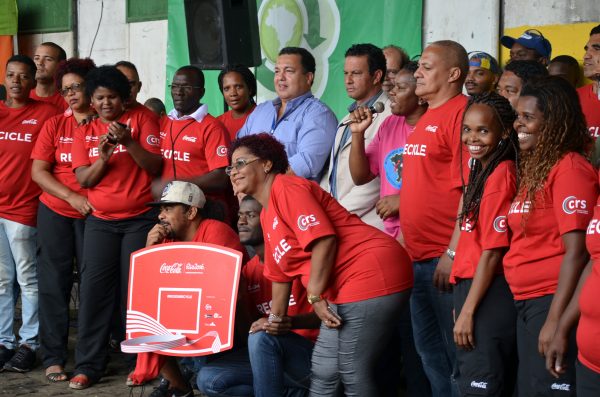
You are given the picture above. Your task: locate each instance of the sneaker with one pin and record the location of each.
(22, 361)
(163, 390)
(5, 355)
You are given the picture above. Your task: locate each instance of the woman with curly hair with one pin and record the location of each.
(61, 215)
(484, 329)
(548, 218)
(115, 157)
(357, 278)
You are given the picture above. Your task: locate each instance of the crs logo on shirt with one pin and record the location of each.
(306, 221)
(222, 151)
(572, 205)
(153, 140)
(500, 224)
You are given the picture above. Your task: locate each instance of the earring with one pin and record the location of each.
(266, 171)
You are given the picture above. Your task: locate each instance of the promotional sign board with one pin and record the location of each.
(181, 299)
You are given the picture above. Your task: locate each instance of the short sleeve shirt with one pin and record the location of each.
(125, 188)
(588, 329)
(490, 231)
(19, 130)
(233, 125)
(55, 99)
(432, 179)
(299, 213)
(590, 105)
(532, 263)
(54, 146)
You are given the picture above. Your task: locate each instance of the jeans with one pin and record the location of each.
(350, 354)
(228, 376)
(433, 325)
(17, 261)
(280, 364)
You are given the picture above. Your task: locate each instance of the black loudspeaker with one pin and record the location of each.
(222, 32)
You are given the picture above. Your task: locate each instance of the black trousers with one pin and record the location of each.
(105, 268)
(533, 379)
(588, 381)
(490, 369)
(59, 250)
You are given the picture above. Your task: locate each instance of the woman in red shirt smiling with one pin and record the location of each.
(548, 218)
(115, 157)
(357, 278)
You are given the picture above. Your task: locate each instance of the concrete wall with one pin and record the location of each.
(476, 24)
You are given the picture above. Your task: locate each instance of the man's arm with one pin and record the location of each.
(314, 141)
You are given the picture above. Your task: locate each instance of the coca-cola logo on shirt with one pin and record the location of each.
(306, 221)
(500, 224)
(572, 205)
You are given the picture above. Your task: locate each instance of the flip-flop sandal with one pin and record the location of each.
(80, 382)
(55, 377)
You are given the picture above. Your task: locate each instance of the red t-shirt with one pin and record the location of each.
(490, 231)
(234, 125)
(532, 263)
(55, 99)
(591, 109)
(259, 291)
(191, 148)
(431, 180)
(19, 129)
(124, 189)
(212, 231)
(588, 330)
(138, 107)
(54, 145)
(368, 263)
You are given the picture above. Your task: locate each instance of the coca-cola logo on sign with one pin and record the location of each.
(175, 268)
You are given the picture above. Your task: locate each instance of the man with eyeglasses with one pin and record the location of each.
(395, 59)
(130, 71)
(193, 143)
(301, 122)
(530, 46)
(47, 57)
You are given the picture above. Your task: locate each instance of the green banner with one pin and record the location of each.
(8, 17)
(325, 27)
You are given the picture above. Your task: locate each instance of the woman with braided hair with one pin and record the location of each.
(548, 218)
(484, 329)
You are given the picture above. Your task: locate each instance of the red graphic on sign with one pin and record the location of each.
(182, 299)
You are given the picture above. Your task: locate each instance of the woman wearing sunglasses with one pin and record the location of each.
(357, 278)
(61, 215)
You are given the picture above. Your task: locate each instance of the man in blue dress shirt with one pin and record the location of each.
(305, 125)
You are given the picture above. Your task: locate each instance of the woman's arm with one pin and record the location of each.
(557, 350)
(484, 274)
(90, 175)
(41, 173)
(148, 161)
(574, 260)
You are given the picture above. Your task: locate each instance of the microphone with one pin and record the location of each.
(377, 107)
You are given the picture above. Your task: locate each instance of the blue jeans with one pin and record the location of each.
(433, 325)
(280, 364)
(17, 261)
(228, 376)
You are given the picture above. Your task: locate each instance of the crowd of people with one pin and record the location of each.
(448, 237)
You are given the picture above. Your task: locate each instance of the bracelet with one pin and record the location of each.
(451, 254)
(273, 317)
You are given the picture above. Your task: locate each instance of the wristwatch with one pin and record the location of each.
(312, 299)
(451, 254)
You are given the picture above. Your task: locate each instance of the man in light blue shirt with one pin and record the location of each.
(302, 123)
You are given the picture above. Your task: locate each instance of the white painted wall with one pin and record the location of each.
(474, 24)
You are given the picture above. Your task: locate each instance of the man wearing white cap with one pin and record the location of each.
(185, 215)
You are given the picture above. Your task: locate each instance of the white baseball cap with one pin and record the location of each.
(180, 192)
